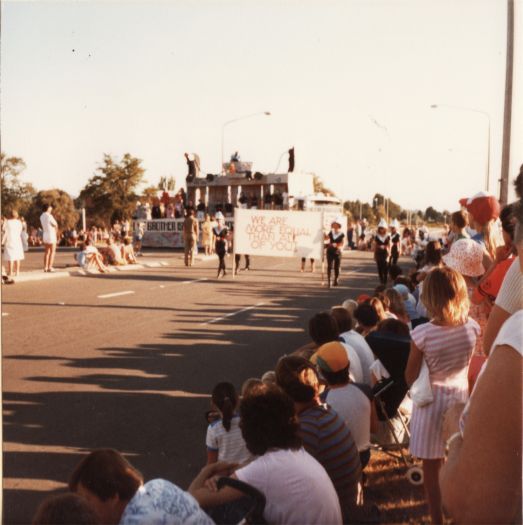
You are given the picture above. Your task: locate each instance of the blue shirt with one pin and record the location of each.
(159, 502)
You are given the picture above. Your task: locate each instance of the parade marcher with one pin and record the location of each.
(381, 250)
(237, 258)
(395, 239)
(49, 228)
(190, 236)
(220, 246)
(336, 239)
(303, 261)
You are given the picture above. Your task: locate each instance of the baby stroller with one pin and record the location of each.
(256, 500)
(393, 352)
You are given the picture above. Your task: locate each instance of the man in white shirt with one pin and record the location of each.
(49, 228)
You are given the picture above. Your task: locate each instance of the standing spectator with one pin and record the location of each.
(13, 243)
(446, 343)
(138, 238)
(207, 235)
(200, 210)
(50, 231)
(190, 236)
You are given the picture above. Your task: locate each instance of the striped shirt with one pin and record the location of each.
(510, 296)
(229, 444)
(326, 437)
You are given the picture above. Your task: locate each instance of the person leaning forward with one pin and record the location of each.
(190, 236)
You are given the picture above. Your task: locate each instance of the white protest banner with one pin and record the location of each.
(278, 233)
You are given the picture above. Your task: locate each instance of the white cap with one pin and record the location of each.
(338, 220)
(219, 216)
(382, 224)
(395, 224)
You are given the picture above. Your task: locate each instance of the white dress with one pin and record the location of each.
(13, 249)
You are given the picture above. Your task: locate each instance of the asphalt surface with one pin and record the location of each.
(127, 360)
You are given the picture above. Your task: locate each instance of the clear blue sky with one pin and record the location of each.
(349, 83)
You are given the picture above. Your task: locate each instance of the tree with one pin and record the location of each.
(167, 184)
(319, 187)
(110, 195)
(354, 207)
(63, 208)
(16, 195)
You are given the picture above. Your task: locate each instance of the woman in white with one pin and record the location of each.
(49, 228)
(12, 241)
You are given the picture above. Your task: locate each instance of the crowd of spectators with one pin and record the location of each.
(302, 433)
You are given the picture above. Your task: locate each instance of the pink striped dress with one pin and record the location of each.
(447, 350)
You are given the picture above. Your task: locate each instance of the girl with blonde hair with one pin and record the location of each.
(446, 344)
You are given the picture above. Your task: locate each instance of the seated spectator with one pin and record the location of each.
(250, 385)
(367, 319)
(397, 306)
(128, 252)
(408, 301)
(65, 509)
(352, 403)
(350, 305)
(395, 271)
(379, 307)
(90, 257)
(354, 340)
(325, 435)
(269, 378)
(282, 470)
(117, 493)
(224, 438)
(323, 328)
(114, 252)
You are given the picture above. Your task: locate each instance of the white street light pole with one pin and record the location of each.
(459, 108)
(236, 120)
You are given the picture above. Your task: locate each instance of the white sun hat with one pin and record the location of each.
(383, 224)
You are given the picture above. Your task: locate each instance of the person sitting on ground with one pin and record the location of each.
(128, 251)
(65, 509)
(224, 438)
(324, 433)
(367, 319)
(354, 404)
(397, 306)
(269, 378)
(395, 271)
(114, 252)
(408, 301)
(250, 385)
(117, 493)
(323, 328)
(282, 470)
(350, 305)
(354, 340)
(90, 257)
(381, 307)
(432, 256)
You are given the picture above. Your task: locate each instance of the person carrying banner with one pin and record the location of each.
(334, 248)
(220, 247)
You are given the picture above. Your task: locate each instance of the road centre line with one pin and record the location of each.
(115, 294)
(232, 314)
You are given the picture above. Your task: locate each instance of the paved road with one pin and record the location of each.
(127, 360)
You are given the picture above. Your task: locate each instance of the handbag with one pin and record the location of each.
(421, 389)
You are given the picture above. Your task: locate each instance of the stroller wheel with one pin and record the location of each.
(415, 475)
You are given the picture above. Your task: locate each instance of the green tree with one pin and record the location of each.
(63, 208)
(319, 186)
(110, 194)
(354, 207)
(16, 195)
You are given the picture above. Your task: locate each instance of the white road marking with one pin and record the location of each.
(115, 294)
(232, 314)
(4, 314)
(61, 304)
(195, 280)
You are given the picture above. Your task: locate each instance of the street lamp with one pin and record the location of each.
(484, 113)
(236, 120)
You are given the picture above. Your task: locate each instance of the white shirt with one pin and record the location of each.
(297, 488)
(49, 226)
(353, 406)
(229, 444)
(366, 357)
(510, 296)
(355, 369)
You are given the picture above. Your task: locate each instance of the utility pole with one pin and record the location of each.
(505, 158)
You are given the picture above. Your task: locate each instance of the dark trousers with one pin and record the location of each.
(221, 263)
(237, 258)
(381, 262)
(333, 261)
(393, 257)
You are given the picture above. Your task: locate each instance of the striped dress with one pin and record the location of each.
(327, 438)
(447, 350)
